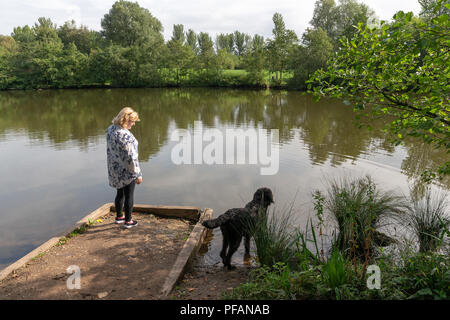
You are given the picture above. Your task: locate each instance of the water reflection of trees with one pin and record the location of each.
(81, 116)
(422, 156)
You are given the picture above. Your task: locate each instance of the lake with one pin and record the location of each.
(53, 155)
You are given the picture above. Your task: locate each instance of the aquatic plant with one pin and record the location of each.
(359, 208)
(275, 237)
(428, 219)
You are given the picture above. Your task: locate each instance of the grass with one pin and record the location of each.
(275, 238)
(428, 220)
(40, 255)
(359, 208)
(336, 271)
(80, 230)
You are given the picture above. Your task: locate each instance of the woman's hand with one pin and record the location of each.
(139, 180)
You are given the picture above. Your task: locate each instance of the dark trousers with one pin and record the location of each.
(124, 200)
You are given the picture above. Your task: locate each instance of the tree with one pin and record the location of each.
(255, 61)
(206, 51)
(340, 20)
(430, 9)
(349, 14)
(312, 54)
(72, 67)
(8, 49)
(81, 37)
(280, 48)
(178, 33)
(225, 59)
(127, 24)
(179, 55)
(399, 70)
(225, 41)
(325, 16)
(191, 40)
(207, 62)
(240, 40)
(38, 55)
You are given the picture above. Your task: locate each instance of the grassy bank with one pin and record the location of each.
(361, 262)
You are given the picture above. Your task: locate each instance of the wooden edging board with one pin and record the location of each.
(186, 255)
(192, 213)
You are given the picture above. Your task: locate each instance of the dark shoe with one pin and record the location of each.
(130, 224)
(119, 220)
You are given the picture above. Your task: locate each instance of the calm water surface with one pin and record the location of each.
(53, 155)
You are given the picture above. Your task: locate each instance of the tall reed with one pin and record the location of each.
(359, 208)
(275, 237)
(428, 219)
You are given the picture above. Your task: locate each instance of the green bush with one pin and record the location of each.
(359, 208)
(275, 238)
(428, 220)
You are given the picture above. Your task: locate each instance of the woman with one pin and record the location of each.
(123, 165)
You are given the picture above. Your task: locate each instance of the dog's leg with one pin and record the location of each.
(234, 245)
(247, 244)
(225, 244)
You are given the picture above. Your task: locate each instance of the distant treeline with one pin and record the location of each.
(130, 51)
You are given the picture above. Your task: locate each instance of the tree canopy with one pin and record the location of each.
(129, 24)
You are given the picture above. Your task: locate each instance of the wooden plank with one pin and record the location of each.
(187, 254)
(186, 212)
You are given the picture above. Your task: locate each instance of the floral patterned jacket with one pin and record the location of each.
(122, 157)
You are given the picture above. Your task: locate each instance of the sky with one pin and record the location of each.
(212, 16)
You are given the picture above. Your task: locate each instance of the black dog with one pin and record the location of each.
(239, 222)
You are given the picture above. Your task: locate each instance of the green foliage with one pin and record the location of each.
(82, 38)
(8, 48)
(312, 55)
(255, 61)
(431, 10)
(241, 42)
(399, 70)
(339, 20)
(336, 271)
(179, 57)
(274, 238)
(280, 48)
(325, 17)
(225, 41)
(428, 219)
(359, 209)
(127, 24)
(275, 283)
(191, 40)
(423, 276)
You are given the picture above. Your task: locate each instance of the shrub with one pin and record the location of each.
(359, 208)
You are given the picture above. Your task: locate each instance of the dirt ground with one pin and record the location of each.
(115, 263)
(121, 264)
(209, 282)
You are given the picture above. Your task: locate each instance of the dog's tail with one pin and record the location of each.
(214, 223)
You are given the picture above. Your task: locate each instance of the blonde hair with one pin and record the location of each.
(125, 115)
